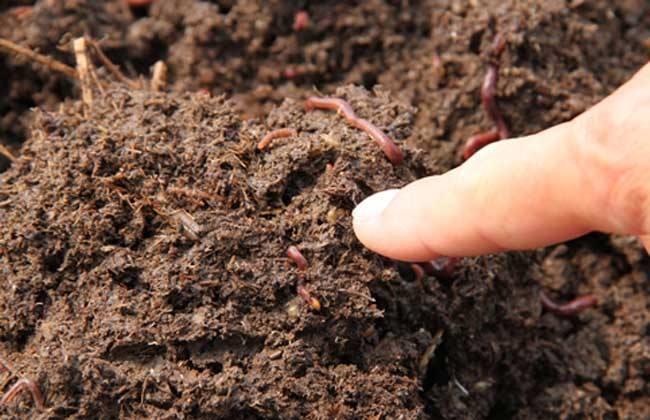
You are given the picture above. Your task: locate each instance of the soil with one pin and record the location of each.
(144, 238)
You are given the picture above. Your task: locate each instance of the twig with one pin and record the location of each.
(48, 62)
(112, 67)
(83, 69)
(7, 153)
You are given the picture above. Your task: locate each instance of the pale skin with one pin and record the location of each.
(589, 174)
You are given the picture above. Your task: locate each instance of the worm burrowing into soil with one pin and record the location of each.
(488, 90)
(296, 256)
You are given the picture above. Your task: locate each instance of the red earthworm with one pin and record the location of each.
(296, 256)
(442, 267)
(139, 3)
(292, 72)
(21, 11)
(276, 134)
(488, 91)
(308, 298)
(573, 307)
(341, 106)
(477, 141)
(418, 270)
(300, 20)
(20, 385)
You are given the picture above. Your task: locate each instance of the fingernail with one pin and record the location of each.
(374, 205)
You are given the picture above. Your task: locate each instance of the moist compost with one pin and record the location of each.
(143, 239)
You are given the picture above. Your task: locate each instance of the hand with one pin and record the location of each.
(591, 173)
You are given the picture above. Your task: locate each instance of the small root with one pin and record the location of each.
(48, 62)
(7, 153)
(110, 66)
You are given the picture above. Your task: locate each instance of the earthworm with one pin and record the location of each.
(296, 256)
(418, 271)
(488, 100)
(441, 267)
(308, 298)
(21, 11)
(341, 106)
(300, 20)
(276, 134)
(477, 141)
(20, 385)
(573, 307)
(139, 3)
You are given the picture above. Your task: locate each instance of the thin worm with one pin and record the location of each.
(477, 141)
(301, 20)
(276, 134)
(573, 307)
(20, 385)
(341, 106)
(488, 100)
(296, 256)
(488, 90)
(442, 267)
(418, 271)
(308, 298)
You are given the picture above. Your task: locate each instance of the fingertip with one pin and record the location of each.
(373, 206)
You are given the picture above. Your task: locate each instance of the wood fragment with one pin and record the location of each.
(190, 227)
(159, 78)
(83, 69)
(48, 62)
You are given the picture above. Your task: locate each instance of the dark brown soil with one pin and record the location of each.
(143, 240)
